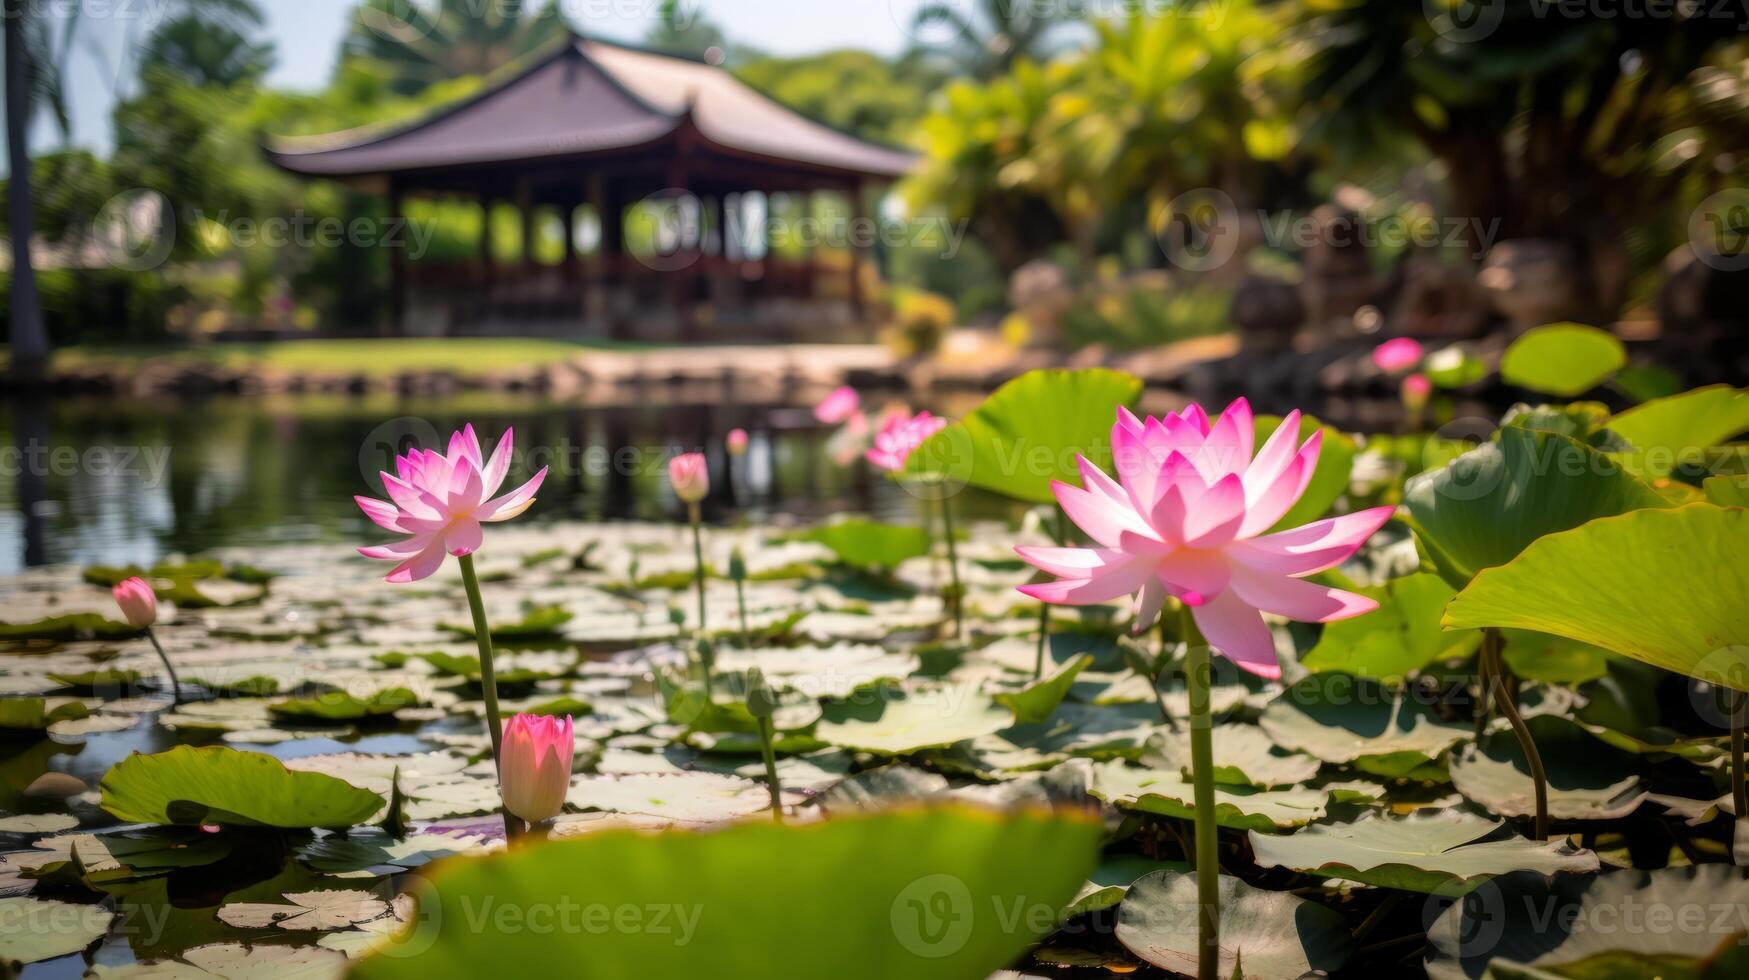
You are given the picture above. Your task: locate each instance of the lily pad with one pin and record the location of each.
(927, 886)
(234, 961)
(1668, 587)
(1668, 432)
(1265, 935)
(1038, 701)
(1527, 923)
(35, 929)
(1243, 754)
(1401, 636)
(1587, 780)
(1426, 851)
(37, 714)
(892, 722)
(1029, 432)
(1111, 881)
(225, 786)
(1169, 793)
(1345, 719)
(341, 706)
(865, 543)
(1565, 359)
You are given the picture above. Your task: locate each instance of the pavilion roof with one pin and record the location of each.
(588, 96)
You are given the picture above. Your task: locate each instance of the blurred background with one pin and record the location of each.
(242, 234)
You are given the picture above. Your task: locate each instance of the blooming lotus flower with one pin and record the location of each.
(737, 442)
(900, 436)
(1397, 354)
(139, 604)
(441, 500)
(691, 477)
(534, 770)
(1186, 518)
(837, 407)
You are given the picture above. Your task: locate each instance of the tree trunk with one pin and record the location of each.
(30, 345)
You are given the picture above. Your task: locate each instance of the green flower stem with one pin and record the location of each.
(1202, 763)
(1739, 793)
(488, 677)
(768, 735)
(176, 685)
(698, 558)
(1492, 641)
(1044, 635)
(953, 563)
(741, 603)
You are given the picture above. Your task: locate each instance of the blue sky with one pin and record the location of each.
(307, 34)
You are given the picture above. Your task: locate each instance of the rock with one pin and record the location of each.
(1267, 312)
(1533, 281)
(54, 786)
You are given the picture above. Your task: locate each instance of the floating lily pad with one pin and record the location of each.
(1167, 792)
(1354, 721)
(893, 723)
(341, 706)
(1426, 851)
(688, 797)
(1667, 587)
(219, 785)
(1111, 881)
(1265, 935)
(1401, 636)
(234, 961)
(927, 883)
(1529, 924)
(864, 543)
(1587, 780)
(37, 714)
(1243, 754)
(307, 911)
(1667, 432)
(34, 929)
(38, 823)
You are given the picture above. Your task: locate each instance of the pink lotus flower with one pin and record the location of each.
(1397, 354)
(691, 477)
(441, 501)
(737, 442)
(838, 406)
(534, 768)
(1186, 519)
(900, 436)
(139, 604)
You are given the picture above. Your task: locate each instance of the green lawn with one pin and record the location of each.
(375, 356)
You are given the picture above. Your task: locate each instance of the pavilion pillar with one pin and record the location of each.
(397, 262)
(680, 280)
(486, 234)
(525, 209)
(858, 217)
(594, 276)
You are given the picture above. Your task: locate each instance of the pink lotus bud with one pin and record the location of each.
(691, 477)
(1397, 354)
(737, 442)
(139, 604)
(1416, 389)
(534, 766)
(837, 406)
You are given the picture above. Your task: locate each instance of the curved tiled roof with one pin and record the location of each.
(589, 96)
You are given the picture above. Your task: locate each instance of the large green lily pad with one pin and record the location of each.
(1565, 359)
(1401, 636)
(1029, 432)
(225, 786)
(1351, 720)
(1426, 851)
(1038, 701)
(929, 887)
(1168, 792)
(34, 929)
(865, 543)
(1265, 935)
(1667, 432)
(1668, 587)
(1486, 506)
(1243, 754)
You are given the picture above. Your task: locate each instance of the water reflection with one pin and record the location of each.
(99, 480)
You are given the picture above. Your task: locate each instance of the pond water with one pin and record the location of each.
(102, 480)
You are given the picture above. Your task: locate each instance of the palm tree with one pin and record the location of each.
(206, 52)
(989, 41)
(30, 341)
(424, 42)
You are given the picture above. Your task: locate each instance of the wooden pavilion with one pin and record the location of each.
(661, 173)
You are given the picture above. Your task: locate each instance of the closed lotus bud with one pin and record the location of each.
(737, 442)
(534, 766)
(761, 702)
(707, 653)
(737, 566)
(1416, 390)
(139, 604)
(690, 476)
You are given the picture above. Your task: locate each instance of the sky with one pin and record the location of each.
(307, 34)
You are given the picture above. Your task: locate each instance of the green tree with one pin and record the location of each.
(206, 52)
(856, 91)
(995, 35)
(1555, 120)
(421, 43)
